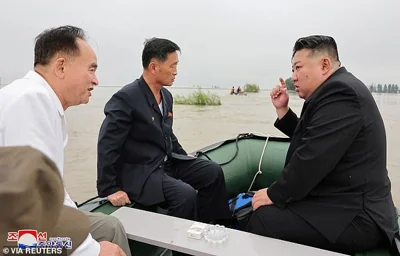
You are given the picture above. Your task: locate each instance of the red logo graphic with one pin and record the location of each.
(12, 236)
(27, 238)
(42, 236)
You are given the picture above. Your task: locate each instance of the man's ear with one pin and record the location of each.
(60, 67)
(153, 67)
(326, 65)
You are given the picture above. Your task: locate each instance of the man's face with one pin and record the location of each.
(307, 73)
(167, 70)
(80, 75)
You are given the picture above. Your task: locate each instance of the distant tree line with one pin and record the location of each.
(289, 84)
(391, 88)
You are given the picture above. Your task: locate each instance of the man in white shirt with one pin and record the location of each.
(32, 113)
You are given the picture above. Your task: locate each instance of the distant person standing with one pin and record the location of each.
(334, 191)
(32, 113)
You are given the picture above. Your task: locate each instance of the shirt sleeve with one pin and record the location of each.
(288, 123)
(113, 133)
(28, 122)
(89, 247)
(176, 147)
(335, 122)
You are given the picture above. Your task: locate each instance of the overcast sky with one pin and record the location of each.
(224, 42)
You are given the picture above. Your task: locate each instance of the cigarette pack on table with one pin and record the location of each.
(196, 230)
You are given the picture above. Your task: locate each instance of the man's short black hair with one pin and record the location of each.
(57, 40)
(317, 44)
(157, 48)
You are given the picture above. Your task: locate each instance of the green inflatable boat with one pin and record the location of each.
(249, 162)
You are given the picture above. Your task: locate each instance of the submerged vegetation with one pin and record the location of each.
(251, 88)
(198, 98)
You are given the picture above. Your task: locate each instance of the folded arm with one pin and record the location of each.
(335, 122)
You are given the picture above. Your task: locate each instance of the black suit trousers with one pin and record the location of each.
(195, 189)
(362, 233)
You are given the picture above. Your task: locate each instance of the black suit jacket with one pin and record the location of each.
(133, 141)
(336, 163)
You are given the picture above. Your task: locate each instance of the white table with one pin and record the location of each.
(170, 232)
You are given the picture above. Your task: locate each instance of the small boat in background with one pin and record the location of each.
(239, 91)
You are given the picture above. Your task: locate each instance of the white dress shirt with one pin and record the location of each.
(31, 114)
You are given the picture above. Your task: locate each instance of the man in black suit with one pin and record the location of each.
(334, 192)
(140, 158)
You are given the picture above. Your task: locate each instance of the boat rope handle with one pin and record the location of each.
(259, 164)
(240, 136)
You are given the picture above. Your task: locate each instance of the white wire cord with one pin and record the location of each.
(259, 164)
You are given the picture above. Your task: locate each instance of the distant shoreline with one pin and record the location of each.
(191, 88)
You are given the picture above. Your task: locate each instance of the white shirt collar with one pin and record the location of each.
(38, 79)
